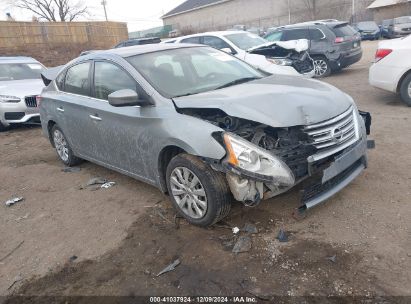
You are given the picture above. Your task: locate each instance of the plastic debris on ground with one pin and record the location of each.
(71, 169)
(282, 236)
(170, 267)
(13, 201)
(108, 185)
(243, 244)
(236, 230)
(332, 258)
(96, 181)
(250, 228)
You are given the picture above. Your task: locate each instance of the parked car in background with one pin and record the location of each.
(400, 27)
(138, 41)
(204, 126)
(385, 24)
(391, 70)
(20, 84)
(369, 30)
(333, 45)
(273, 58)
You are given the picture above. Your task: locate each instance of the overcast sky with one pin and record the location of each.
(139, 14)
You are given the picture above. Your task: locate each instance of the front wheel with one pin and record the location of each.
(198, 193)
(321, 67)
(63, 148)
(405, 90)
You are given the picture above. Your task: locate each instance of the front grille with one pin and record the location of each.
(13, 115)
(335, 134)
(31, 101)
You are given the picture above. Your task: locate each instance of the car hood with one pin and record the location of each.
(21, 88)
(299, 45)
(277, 101)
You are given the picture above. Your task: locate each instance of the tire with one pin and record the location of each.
(321, 66)
(405, 90)
(63, 149)
(3, 128)
(215, 203)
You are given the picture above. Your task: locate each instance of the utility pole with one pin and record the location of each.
(353, 11)
(289, 12)
(104, 3)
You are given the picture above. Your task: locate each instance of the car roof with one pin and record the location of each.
(216, 33)
(142, 49)
(17, 59)
(313, 23)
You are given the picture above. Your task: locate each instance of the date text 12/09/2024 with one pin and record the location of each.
(199, 299)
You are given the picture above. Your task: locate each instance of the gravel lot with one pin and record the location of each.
(123, 236)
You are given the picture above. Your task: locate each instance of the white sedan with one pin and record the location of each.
(281, 57)
(391, 70)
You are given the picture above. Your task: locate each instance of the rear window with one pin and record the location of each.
(343, 30)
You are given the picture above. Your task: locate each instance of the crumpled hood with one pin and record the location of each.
(277, 101)
(299, 45)
(21, 88)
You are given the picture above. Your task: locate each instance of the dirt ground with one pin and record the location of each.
(114, 241)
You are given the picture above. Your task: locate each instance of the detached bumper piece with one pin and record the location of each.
(320, 192)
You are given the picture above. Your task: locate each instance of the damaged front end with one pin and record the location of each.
(287, 53)
(263, 161)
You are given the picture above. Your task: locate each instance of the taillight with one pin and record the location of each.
(38, 100)
(381, 53)
(339, 39)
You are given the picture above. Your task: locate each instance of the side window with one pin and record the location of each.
(77, 79)
(274, 36)
(316, 34)
(109, 78)
(297, 34)
(215, 42)
(60, 80)
(195, 40)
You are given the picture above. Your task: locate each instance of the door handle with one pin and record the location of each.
(60, 109)
(96, 118)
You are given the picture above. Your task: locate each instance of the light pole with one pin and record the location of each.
(353, 11)
(104, 3)
(289, 12)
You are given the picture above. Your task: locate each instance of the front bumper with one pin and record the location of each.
(18, 113)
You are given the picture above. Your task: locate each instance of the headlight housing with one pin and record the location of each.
(7, 98)
(281, 61)
(250, 158)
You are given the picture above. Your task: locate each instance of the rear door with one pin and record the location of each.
(319, 43)
(296, 33)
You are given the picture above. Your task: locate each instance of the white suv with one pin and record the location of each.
(258, 52)
(392, 68)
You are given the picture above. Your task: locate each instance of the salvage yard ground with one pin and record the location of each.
(114, 241)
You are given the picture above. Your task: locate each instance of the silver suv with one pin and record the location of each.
(20, 83)
(203, 126)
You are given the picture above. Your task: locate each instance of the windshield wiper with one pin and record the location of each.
(237, 81)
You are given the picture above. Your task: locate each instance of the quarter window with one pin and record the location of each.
(215, 42)
(77, 79)
(109, 78)
(195, 40)
(316, 34)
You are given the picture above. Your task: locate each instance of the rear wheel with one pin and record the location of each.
(321, 67)
(198, 193)
(63, 148)
(405, 90)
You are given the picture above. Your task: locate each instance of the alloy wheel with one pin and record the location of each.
(320, 67)
(188, 192)
(61, 145)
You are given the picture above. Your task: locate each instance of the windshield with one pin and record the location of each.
(19, 71)
(193, 70)
(372, 26)
(402, 20)
(245, 41)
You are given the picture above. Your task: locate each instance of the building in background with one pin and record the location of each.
(388, 9)
(202, 15)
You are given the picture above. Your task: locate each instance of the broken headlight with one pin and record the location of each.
(281, 61)
(7, 98)
(248, 157)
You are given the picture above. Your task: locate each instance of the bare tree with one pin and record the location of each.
(53, 10)
(310, 6)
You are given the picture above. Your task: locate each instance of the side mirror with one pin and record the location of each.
(125, 98)
(227, 50)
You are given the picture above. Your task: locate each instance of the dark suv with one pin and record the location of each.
(333, 45)
(138, 41)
